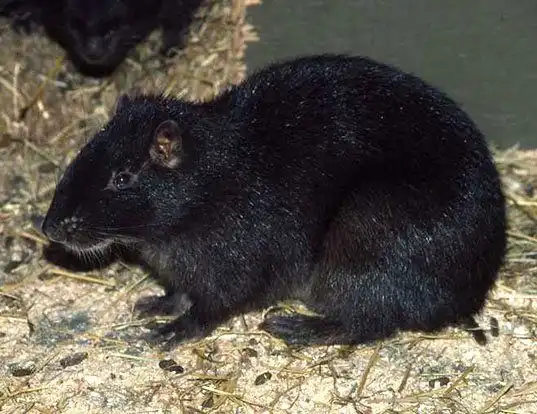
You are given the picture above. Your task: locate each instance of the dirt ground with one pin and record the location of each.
(70, 343)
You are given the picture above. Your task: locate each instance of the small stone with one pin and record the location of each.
(208, 402)
(441, 381)
(171, 366)
(262, 378)
(22, 369)
(73, 359)
(494, 389)
(252, 353)
(47, 168)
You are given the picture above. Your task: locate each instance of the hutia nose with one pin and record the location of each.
(55, 232)
(95, 49)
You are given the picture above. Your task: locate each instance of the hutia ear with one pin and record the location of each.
(167, 146)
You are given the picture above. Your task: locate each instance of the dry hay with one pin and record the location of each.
(69, 343)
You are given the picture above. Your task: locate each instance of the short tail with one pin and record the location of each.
(471, 325)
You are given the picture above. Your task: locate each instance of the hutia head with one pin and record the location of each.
(123, 184)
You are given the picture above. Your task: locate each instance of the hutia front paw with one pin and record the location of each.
(168, 335)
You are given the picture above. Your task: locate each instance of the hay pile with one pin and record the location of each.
(69, 343)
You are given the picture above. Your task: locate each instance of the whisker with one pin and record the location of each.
(121, 239)
(125, 227)
(94, 254)
(111, 235)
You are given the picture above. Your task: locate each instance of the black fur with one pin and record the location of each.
(21, 14)
(339, 181)
(99, 34)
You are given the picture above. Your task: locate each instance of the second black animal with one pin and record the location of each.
(339, 181)
(99, 34)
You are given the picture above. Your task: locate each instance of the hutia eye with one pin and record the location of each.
(123, 180)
